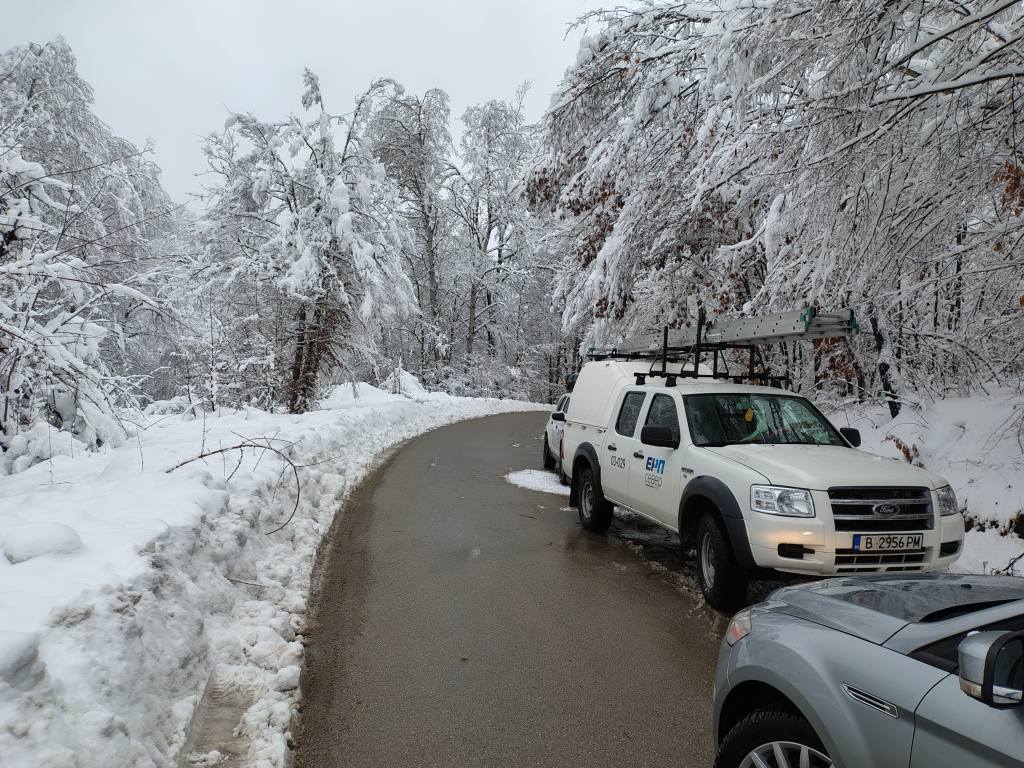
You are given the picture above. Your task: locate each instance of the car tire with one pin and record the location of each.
(594, 509)
(723, 583)
(767, 729)
(549, 460)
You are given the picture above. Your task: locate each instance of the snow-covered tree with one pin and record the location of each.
(511, 338)
(410, 136)
(301, 253)
(756, 156)
(78, 209)
(484, 325)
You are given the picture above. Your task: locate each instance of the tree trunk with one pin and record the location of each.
(883, 369)
(317, 342)
(858, 370)
(294, 385)
(471, 334)
(431, 248)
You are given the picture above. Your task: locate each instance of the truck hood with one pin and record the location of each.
(820, 467)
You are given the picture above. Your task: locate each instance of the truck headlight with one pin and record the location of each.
(773, 500)
(947, 501)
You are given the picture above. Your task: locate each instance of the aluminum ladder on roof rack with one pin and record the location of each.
(738, 332)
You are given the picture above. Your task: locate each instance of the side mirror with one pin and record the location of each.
(992, 667)
(659, 436)
(558, 416)
(852, 435)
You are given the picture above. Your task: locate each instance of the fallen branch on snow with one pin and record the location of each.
(263, 446)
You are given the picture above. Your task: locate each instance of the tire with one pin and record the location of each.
(723, 583)
(764, 730)
(549, 460)
(594, 509)
(562, 477)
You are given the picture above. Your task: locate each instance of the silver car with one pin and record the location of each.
(918, 670)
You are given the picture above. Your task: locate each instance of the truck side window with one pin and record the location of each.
(629, 413)
(663, 414)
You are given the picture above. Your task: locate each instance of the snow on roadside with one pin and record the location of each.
(538, 480)
(976, 444)
(123, 585)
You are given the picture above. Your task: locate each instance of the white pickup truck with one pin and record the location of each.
(755, 478)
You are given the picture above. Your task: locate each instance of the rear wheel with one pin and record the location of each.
(723, 583)
(549, 460)
(772, 738)
(595, 511)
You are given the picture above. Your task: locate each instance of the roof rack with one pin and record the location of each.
(743, 333)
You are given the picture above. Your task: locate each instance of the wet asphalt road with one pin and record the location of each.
(463, 621)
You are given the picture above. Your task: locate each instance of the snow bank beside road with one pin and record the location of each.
(123, 586)
(976, 444)
(538, 480)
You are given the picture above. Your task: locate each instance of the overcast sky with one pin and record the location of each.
(172, 70)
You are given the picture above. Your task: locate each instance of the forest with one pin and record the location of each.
(733, 158)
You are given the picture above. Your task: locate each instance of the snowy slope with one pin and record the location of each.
(977, 444)
(123, 585)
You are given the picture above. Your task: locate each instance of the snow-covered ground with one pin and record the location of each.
(977, 444)
(538, 480)
(128, 577)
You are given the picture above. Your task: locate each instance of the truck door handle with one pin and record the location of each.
(612, 448)
(638, 455)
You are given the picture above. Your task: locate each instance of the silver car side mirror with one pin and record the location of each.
(992, 667)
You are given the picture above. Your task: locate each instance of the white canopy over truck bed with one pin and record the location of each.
(599, 384)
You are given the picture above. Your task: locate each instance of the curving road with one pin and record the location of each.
(464, 621)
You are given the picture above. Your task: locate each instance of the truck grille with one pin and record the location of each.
(850, 561)
(856, 509)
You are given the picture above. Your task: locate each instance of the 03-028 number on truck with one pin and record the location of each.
(887, 542)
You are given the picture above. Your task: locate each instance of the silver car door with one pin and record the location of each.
(954, 729)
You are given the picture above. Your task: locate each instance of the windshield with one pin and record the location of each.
(741, 418)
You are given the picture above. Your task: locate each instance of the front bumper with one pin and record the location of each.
(813, 546)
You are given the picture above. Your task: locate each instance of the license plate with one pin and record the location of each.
(887, 542)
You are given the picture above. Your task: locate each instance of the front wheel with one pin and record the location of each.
(595, 510)
(723, 583)
(549, 460)
(772, 737)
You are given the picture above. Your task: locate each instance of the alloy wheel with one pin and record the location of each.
(785, 754)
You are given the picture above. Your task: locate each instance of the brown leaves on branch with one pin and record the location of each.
(1011, 176)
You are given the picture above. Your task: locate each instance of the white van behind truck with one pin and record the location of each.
(754, 478)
